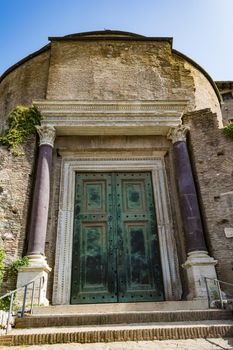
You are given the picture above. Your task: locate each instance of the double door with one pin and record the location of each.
(115, 243)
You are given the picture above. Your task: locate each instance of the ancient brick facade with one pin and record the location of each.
(116, 67)
(23, 84)
(16, 179)
(212, 158)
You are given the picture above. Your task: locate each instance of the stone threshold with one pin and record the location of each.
(123, 307)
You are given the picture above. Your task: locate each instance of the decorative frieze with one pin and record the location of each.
(117, 107)
(111, 117)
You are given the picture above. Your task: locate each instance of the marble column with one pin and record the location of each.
(198, 264)
(39, 214)
(40, 203)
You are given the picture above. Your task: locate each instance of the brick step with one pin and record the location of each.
(114, 333)
(56, 320)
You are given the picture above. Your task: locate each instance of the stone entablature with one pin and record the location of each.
(112, 117)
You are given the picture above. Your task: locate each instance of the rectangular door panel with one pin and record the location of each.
(94, 196)
(94, 257)
(134, 196)
(139, 276)
(138, 259)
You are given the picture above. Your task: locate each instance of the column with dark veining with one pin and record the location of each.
(190, 211)
(199, 264)
(41, 194)
(38, 269)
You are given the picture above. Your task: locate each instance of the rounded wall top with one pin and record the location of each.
(106, 34)
(111, 35)
(103, 33)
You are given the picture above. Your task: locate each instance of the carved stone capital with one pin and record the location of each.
(47, 134)
(178, 134)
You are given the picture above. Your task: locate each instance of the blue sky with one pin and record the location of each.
(202, 29)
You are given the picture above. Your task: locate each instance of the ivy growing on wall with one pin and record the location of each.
(11, 272)
(21, 122)
(228, 130)
(14, 267)
(2, 264)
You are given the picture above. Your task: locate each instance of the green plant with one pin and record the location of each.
(214, 293)
(14, 267)
(12, 271)
(5, 303)
(228, 130)
(2, 264)
(22, 122)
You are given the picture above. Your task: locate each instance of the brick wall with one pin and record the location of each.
(132, 70)
(16, 177)
(212, 160)
(24, 84)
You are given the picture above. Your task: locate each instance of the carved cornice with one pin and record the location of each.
(101, 107)
(112, 117)
(178, 134)
(47, 134)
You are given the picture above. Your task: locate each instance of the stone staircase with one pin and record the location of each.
(120, 322)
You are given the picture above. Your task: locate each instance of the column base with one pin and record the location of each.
(198, 266)
(37, 268)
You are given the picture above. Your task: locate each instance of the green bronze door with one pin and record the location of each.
(115, 246)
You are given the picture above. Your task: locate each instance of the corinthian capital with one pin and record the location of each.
(47, 134)
(178, 134)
